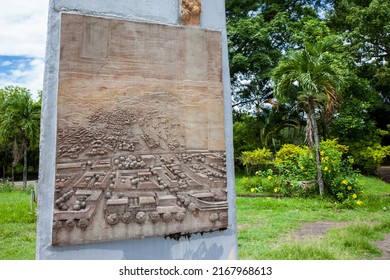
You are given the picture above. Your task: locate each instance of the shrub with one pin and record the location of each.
(297, 169)
(296, 163)
(369, 158)
(347, 190)
(257, 158)
(269, 182)
(251, 184)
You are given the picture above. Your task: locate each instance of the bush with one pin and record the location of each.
(296, 163)
(297, 168)
(251, 184)
(369, 158)
(348, 190)
(295, 173)
(257, 158)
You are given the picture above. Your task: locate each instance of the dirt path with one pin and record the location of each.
(319, 229)
(316, 229)
(384, 245)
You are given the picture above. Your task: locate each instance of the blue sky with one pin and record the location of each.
(22, 43)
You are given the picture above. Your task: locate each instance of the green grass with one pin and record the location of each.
(268, 223)
(265, 224)
(17, 225)
(375, 186)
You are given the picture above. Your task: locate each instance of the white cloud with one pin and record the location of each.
(23, 27)
(26, 73)
(23, 38)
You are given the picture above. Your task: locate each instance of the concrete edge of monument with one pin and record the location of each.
(214, 245)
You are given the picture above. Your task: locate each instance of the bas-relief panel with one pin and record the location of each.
(140, 133)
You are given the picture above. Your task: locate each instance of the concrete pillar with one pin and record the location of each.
(214, 245)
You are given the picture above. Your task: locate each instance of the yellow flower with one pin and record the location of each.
(269, 177)
(252, 189)
(359, 202)
(322, 153)
(302, 167)
(354, 196)
(326, 168)
(344, 182)
(275, 189)
(349, 188)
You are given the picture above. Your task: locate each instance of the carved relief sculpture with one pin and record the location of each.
(190, 12)
(140, 133)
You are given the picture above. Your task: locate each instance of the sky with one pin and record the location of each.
(23, 27)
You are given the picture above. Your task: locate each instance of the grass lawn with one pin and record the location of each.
(17, 226)
(265, 226)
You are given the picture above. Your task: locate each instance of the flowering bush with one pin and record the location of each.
(295, 174)
(269, 182)
(347, 190)
(295, 163)
(251, 184)
(297, 168)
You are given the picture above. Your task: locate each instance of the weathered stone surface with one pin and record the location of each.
(140, 131)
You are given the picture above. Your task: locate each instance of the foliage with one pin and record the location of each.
(19, 123)
(251, 184)
(312, 79)
(365, 26)
(245, 134)
(258, 157)
(271, 126)
(259, 33)
(263, 33)
(355, 128)
(6, 187)
(369, 157)
(353, 122)
(296, 174)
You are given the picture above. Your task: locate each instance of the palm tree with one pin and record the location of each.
(272, 122)
(19, 123)
(311, 78)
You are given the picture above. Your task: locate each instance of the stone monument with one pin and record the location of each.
(136, 142)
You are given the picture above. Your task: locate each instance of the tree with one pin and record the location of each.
(19, 123)
(311, 78)
(365, 26)
(259, 33)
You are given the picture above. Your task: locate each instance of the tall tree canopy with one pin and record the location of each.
(19, 123)
(265, 33)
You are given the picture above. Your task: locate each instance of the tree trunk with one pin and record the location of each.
(317, 147)
(25, 164)
(15, 159)
(13, 174)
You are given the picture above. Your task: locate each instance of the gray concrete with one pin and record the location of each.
(216, 245)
